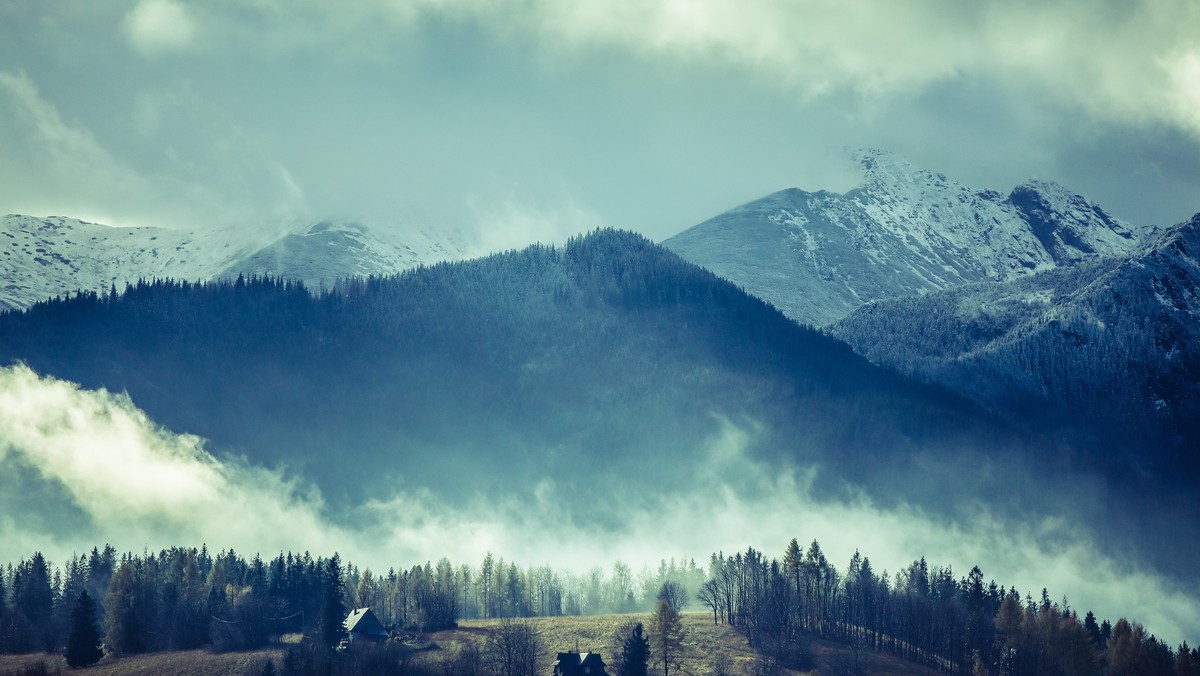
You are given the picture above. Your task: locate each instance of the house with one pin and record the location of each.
(578, 664)
(362, 625)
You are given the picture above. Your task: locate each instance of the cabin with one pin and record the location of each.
(362, 625)
(579, 664)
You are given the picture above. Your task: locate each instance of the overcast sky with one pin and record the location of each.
(535, 119)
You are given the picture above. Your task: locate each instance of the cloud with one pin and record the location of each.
(156, 27)
(134, 483)
(732, 502)
(1130, 62)
(1184, 92)
(508, 222)
(53, 165)
(94, 462)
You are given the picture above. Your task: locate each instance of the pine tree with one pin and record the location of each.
(333, 611)
(83, 641)
(635, 653)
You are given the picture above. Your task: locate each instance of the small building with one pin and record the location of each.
(579, 664)
(362, 625)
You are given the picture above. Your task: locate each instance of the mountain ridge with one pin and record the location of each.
(1108, 350)
(904, 231)
(46, 257)
(604, 348)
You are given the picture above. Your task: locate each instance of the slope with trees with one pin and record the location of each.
(523, 365)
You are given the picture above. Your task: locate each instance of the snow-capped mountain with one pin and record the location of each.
(905, 231)
(325, 251)
(44, 257)
(1108, 350)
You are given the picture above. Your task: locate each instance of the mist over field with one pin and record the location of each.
(94, 469)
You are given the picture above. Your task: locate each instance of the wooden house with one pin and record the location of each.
(579, 664)
(362, 625)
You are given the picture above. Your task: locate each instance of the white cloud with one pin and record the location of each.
(53, 161)
(1123, 61)
(733, 502)
(57, 166)
(1185, 87)
(138, 483)
(160, 26)
(511, 223)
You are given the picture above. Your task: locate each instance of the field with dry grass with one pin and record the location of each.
(179, 663)
(704, 643)
(702, 646)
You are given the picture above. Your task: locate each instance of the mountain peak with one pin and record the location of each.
(904, 231)
(1068, 225)
(884, 167)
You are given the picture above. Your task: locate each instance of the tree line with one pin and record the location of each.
(182, 598)
(926, 614)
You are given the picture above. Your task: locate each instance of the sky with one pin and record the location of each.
(524, 120)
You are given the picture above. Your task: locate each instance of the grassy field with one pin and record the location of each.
(179, 663)
(704, 643)
(702, 646)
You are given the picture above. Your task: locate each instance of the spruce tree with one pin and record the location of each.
(333, 610)
(83, 641)
(635, 653)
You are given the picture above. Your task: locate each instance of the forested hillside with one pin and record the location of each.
(1105, 354)
(609, 362)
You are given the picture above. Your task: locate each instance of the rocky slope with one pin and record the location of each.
(1108, 352)
(905, 231)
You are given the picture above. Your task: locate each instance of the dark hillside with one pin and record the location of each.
(608, 363)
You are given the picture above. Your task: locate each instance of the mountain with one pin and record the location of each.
(328, 250)
(599, 382)
(1107, 353)
(610, 362)
(905, 231)
(45, 257)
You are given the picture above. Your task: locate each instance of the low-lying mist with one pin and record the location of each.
(81, 468)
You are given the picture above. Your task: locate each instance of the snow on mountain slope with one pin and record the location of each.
(904, 231)
(44, 257)
(327, 250)
(1107, 350)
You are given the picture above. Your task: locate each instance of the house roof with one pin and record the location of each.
(578, 659)
(363, 621)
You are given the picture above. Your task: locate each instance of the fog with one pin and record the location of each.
(92, 468)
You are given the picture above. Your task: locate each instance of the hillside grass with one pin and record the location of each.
(176, 663)
(702, 646)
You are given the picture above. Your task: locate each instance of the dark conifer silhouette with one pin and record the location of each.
(83, 642)
(635, 653)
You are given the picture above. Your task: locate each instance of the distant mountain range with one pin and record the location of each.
(905, 231)
(1038, 305)
(1029, 335)
(45, 257)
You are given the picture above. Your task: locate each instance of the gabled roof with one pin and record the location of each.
(363, 621)
(578, 659)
